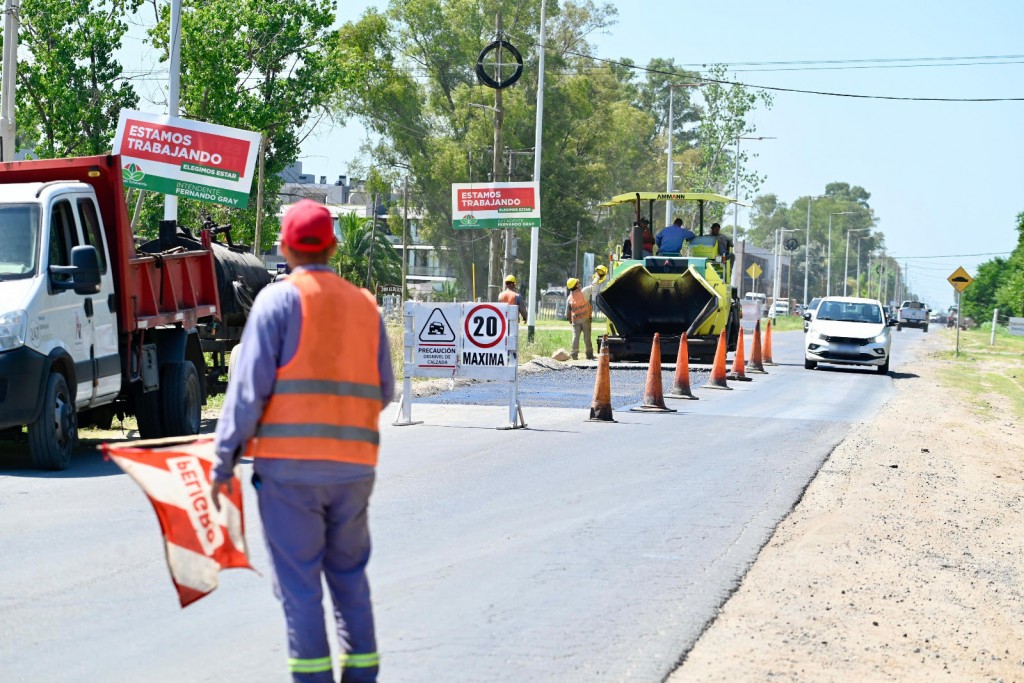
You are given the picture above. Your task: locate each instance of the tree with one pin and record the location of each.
(999, 283)
(71, 88)
(260, 65)
(365, 256)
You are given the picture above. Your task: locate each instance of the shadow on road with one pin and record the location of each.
(903, 375)
(88, 461)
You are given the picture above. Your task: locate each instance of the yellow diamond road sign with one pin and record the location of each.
(960, 279)
(754, 271)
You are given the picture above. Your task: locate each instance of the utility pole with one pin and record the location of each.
(509, 233)
(576, 263)
(8, 86)
(373, 238)
(531, 317)
(494, 263)
(405, 237)
(258, 235)
(174, 92)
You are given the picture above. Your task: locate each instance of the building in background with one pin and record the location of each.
(425, 267)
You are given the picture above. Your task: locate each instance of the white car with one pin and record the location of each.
(848, 331)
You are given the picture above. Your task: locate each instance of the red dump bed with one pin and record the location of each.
(151, 290)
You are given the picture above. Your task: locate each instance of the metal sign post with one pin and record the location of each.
(960, 279)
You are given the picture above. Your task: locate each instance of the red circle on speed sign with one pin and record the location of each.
(485, 326)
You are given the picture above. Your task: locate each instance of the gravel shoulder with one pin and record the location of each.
(902, 561)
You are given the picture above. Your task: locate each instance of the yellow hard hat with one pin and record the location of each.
(601, 270)
(572, 283)
(510, 278)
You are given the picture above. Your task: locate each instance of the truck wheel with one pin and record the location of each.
(53, 436)
(810, 364)
(147, 412)
(899, 328)
(182, 398)
(925, 329)
(884, 368)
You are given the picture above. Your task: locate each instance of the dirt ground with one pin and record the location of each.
(904, 561)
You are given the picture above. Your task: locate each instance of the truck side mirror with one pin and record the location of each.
(84, 271)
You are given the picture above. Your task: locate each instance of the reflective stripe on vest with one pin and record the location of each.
(579, 306)
(326, 401)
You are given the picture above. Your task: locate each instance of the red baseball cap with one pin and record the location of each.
(307, 226)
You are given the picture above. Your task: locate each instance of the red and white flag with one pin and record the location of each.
(199, 539)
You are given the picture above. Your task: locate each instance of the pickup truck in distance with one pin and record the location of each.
(912, 314)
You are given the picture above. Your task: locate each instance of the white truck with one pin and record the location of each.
(90, 325)
(912, 314)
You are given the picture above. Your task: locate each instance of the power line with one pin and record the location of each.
(824, 93)
(993, 253)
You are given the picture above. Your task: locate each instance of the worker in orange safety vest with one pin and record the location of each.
(580, 312)
(313, 373)
(510, 295)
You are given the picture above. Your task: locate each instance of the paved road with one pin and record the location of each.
(570, 551)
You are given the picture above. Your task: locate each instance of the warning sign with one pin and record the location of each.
(435, 346)
(437, 328)
(960, 279)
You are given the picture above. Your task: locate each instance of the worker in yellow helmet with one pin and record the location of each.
(597, 282)
(512, 296)
(579, 311)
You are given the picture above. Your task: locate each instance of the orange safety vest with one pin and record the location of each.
(508, 297)
(579, 306)
(326, 399)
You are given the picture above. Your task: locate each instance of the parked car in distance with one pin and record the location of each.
(779, 308)
(848, 331)
(808, 312)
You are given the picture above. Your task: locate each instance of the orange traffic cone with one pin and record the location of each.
(738, 363)
(717, 379)
(601, 408)
(755, 365)
(654, 401)
(681, 381)
(768, 344)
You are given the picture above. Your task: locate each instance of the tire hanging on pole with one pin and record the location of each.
(486, 78)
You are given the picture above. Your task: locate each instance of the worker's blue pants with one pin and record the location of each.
(313, 530)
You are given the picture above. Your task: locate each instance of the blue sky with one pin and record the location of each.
(945, 179)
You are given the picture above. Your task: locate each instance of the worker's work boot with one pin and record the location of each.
(590, 356)
(575, 356)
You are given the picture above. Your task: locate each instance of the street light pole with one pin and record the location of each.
(531, 316)
(807, 248)
(669, 172)
(828, 257)
(846, 268)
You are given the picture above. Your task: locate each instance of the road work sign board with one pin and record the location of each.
(960, 279)
(461, 340)
(473, 340)
(191, 159)
(1017, 327)
(495, 205)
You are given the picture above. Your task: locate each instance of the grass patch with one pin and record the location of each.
(786, 323)
(990, 376)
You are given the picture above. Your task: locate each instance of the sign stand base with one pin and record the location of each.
(518, 422)
(403, 418)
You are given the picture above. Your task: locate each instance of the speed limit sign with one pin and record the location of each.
(485, 326)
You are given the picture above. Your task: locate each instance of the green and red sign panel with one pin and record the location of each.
(495, 205)
(191, 159)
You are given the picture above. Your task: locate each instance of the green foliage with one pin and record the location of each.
(71, 88)
(450, 291)
(604, 132)
(851, 215)
(999, 283)
(260, 65)
(365, 257)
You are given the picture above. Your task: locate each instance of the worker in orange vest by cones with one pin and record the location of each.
(312, 376)
(580, 312)
(511, 295)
